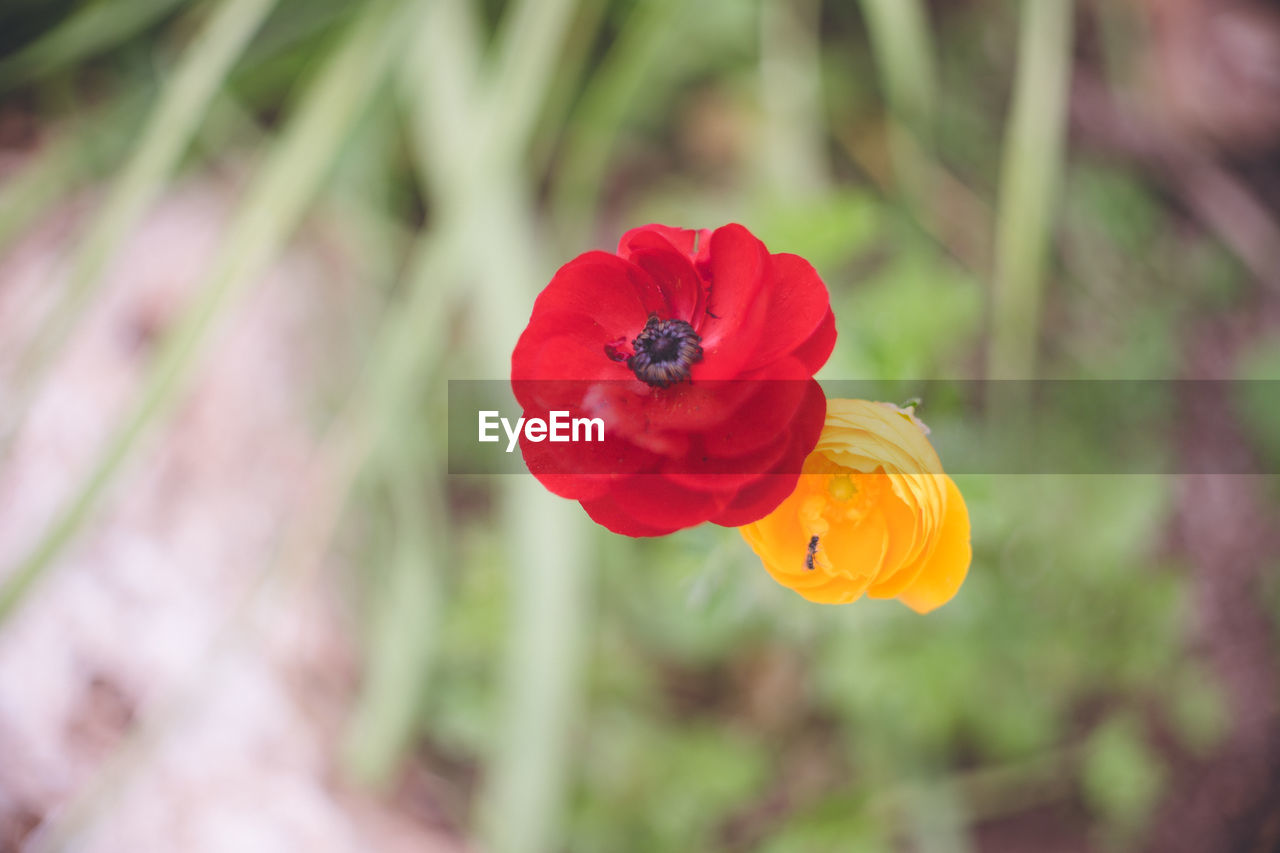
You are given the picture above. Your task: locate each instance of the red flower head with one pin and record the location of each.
(697, 349)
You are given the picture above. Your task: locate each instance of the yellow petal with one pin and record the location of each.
(834, 591)
(855, 551)
(947, 566)
(910, 540)
(903, 525)
(898, 528)
(876, 430)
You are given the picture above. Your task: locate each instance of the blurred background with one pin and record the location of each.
(245, 243)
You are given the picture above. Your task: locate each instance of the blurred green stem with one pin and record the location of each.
(652, 30)
(278, 198)
(903, 50)
(404, 613)
(524, 790)
(935, 818)
(376, 426)
(529, 45)
(791, 94)
(566, 84)
(488, 207)
(92, 29)
(1033, 161)
(900, 43)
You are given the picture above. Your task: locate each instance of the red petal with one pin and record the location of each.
(571, 354)
(763, 496)
(814, 352)
(700, 470)
(756, 500)
(690, 243)
(766, 416)
(660, 503)
(613, 457)
(616, 294)
(606, 511)
(576, 487)
(682, 290)
(735, 315)
(630, 412)
(798, 304)
(694, 406)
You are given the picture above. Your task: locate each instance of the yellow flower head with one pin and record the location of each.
(872, 513)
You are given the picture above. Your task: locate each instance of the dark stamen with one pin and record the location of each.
(665, 351)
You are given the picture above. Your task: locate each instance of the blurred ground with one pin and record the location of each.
(168, 690)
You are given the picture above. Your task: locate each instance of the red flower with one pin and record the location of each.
(698, 350)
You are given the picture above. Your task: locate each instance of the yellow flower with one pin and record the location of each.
(872, 513)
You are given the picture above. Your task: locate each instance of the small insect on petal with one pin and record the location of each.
(812, 552)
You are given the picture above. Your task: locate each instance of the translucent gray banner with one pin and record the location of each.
(976, 426)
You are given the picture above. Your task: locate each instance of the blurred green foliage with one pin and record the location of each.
(716, 709)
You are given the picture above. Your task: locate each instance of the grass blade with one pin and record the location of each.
(521, 802)
(93, 29)
(791, 94)
(404, 619)
(1030, 174)
(529, 45)
(900, 44)
(486, 206)
(652, 30)
(902, 47)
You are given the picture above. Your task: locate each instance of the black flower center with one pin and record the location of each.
(665, 351)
